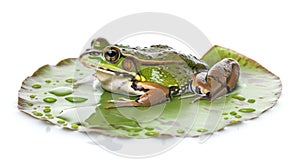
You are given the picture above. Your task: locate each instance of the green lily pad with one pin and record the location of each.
(49, 95)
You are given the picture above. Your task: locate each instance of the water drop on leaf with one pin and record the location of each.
(71, 80)
(49, 100)
(36, 86)
(76, 99)
(151, 133)
(61, 91)
(247, 110)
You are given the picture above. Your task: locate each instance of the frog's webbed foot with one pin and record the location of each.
(154, 94)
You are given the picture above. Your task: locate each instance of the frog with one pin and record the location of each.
(157, 74)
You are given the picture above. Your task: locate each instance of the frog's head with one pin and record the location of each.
(102, 56)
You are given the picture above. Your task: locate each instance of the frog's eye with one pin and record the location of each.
(112, 54)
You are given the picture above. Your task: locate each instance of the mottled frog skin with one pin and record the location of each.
(157, 73)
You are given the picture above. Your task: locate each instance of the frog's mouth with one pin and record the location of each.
(93, 59)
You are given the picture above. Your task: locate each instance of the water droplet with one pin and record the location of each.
(133, 134)
(47, 107)
(48, 115)
(149, 128)
(61, 91)
(47, 110)
(37, 113)
(202, 130)
(226, 118)
(32, 96)
(224, 113)
(233, 113)
(75, 126)
(151, 133)
(247, 110)
(36, 86)
(61, 121)
(49, 100)
(234, 121)
(70, 80)
(180, 131)
(251, 101)
(48, 81)
(238, 97)
(133, 129)
(261, 97)
(238, 116)
(76, 99)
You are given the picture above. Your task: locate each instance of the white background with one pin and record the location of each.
(34, 33)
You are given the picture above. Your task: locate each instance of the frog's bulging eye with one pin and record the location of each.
(112, 54)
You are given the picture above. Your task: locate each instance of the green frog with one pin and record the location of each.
(157, 73)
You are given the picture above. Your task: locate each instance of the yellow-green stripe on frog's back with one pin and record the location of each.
(92, 63)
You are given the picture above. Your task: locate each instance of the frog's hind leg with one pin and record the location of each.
(221, 79)
(154, 94)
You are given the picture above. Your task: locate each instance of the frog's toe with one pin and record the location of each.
(200, 97)
(112, 101)
(188, 96)
(120, 100)
(110, 107)
(122, 103)
(124, 99)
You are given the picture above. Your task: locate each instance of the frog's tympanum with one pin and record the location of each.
(157, 73)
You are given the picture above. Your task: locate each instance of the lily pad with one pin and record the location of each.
(49, 95)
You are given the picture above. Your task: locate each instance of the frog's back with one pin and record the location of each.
(170, 75)
(164, 53)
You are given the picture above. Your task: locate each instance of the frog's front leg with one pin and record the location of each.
(153, 94)
(221, 79)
